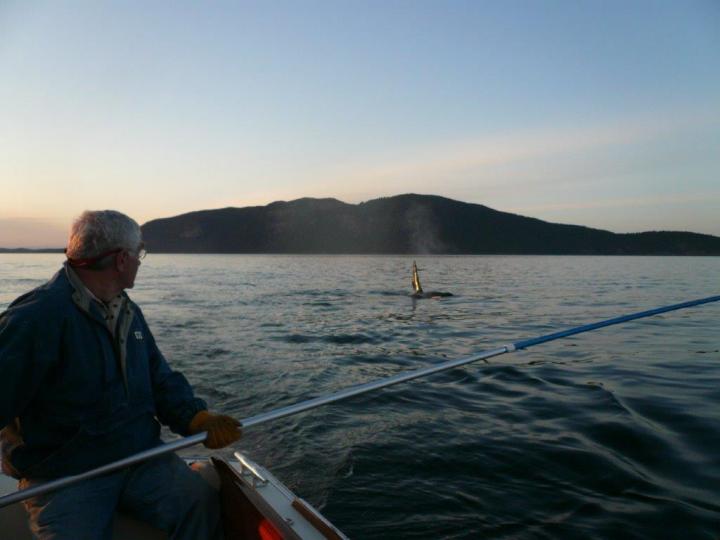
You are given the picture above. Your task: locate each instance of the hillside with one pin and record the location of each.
(402, 224)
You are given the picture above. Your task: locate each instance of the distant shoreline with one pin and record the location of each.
(29, 251)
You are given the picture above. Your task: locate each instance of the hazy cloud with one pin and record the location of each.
(442, 161)
(625, 202)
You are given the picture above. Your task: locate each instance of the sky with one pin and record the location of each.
(599, 113)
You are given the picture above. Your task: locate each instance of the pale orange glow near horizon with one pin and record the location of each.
(104, 108)
(533, 173)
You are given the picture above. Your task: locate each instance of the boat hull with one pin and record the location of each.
(256, 506)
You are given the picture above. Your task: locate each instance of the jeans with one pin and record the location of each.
(163, 492)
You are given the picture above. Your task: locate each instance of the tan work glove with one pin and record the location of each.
(221, 429)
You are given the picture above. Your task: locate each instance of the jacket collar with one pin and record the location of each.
(82, 296)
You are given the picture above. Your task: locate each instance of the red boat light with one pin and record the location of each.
(267, 531)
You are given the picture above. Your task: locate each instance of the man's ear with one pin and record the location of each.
(121, 260)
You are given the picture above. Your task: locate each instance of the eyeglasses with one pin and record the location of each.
(140, 255)
(92, 260)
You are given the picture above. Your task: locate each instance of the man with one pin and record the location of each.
(82, 384)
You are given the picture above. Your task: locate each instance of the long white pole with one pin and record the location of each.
(343, 394)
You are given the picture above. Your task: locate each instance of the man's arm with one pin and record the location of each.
(175, 401)
(178, 408)
(26, 354)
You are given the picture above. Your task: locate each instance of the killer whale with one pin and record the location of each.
(419, 293)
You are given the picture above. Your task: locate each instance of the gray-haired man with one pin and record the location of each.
(84, 384)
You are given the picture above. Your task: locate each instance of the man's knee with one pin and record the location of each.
(203, 495)
(174, 498)
(83, 510)
(200, 487)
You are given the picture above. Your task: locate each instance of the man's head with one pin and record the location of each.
(107, 242)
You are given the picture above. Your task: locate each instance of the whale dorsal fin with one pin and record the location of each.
(416, 279)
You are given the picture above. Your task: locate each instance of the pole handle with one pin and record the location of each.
(60, 483)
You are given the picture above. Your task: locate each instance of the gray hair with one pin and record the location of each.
(95, 232)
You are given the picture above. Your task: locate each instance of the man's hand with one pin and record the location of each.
(221, 429)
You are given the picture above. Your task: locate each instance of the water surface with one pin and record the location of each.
(611, 434)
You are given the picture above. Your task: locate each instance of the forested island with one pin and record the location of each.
(404, 224)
